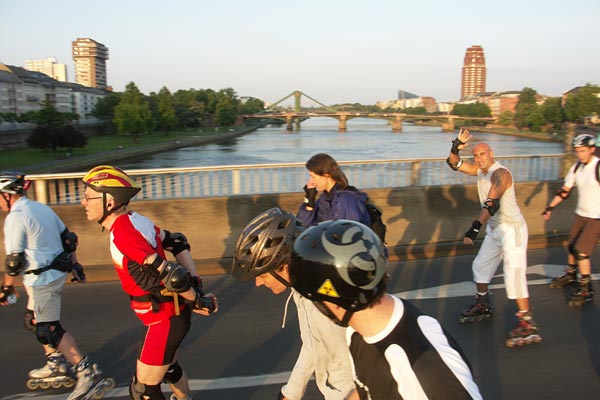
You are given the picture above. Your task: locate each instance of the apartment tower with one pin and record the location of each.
(48, 66)
(90, 62)
(473, 72)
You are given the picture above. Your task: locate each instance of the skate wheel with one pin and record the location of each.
(57, 384)
(510, 343)
(31, 384)
(110, 383)
(70, 383)
(44, 385)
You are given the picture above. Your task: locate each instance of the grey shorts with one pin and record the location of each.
(45, 300)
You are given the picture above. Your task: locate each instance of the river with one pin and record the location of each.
(365, 139)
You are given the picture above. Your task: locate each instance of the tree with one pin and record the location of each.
(132, 114)
(251, 106)
(226, 110)
(553, 111)
(526, 105)
(48, 116)
(535, 120)
(105, 106)
(506, 118)
(51, 138)
(166, 117)
(583, 103)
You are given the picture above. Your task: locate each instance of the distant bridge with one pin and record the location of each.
(395, 119)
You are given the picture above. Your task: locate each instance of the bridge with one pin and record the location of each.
(292, 118)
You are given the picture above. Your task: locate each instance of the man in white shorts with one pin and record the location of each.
(505, 239)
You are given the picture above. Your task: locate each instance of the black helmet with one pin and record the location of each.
(342, 262)
(584, 140)
(13, 182)
(265, 244)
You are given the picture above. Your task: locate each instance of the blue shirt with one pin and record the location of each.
(336, 204)
(34, 229)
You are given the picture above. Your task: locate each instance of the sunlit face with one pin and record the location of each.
(584, 154)
(321, 182)
(483, 156)
(269, 281)
(92, 201)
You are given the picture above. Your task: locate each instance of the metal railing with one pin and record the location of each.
(168, 183)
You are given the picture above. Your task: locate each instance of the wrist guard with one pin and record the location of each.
(78, 272)
(474, 230)
(310, 196)
(455, 166)
(8, 294)
(455, 143)
(547, 210)
(203, 302)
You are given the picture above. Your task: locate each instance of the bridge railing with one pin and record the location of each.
(164, 183)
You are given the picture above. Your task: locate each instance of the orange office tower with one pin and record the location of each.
(473, 72)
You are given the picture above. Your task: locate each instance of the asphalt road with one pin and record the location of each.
(243, 353)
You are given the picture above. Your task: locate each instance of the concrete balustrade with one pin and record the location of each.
(424, 221)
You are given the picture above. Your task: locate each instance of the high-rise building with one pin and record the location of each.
(90, 63)
(49, 67)
(473, 72)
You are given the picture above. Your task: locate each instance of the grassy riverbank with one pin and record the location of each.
(112, 148)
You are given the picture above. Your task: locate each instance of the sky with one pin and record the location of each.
(335, 51)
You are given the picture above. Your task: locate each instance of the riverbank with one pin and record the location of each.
(81, 163)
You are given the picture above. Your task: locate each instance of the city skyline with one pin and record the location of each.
(337, 52)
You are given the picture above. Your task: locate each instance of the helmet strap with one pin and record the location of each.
(7, 200)
(280, 278)
(329, 314)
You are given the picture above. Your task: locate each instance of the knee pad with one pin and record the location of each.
(572, 249)
(139, 391)
(173, 374)
(28, 321)
(49, 333)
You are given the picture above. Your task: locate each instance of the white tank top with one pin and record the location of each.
(509, 211)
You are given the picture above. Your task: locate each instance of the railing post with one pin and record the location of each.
(415, 171)
(41, 191)
(236, 181)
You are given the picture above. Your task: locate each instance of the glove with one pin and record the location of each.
(474, 231)
(547, 210)
(78, 273)
(310, 196)
(8, 295)
(455, 143)
(201, 301)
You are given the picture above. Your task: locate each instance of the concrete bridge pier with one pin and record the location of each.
(342, 123)
(289, 123)
(397, 124)
(448, 126)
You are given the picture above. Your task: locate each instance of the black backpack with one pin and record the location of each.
(377, 224)
(579, 164)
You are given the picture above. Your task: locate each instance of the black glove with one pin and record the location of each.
(7, 295)
(455, 143)
(310, 196)
(78, 274)
(474, 231)
(201, 301)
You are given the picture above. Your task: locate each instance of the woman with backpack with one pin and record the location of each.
(338, 200)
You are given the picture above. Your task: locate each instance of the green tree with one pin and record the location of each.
(535, 120)
(48, 117)
(166, 116)
(583, 103)
(226, 110)
(105, 106)
(251, 106)
(506, 118)
(526, 105)
(132, 114)
(553, 111)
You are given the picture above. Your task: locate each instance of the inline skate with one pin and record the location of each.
(565, 279)
(480, 311)
(526, 331)
(585, 293)
(90, 382)
(55, 374)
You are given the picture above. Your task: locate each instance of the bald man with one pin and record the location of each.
(505, 239)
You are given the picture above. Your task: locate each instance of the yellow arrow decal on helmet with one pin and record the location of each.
(327, 289)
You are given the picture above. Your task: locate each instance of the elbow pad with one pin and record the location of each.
(69, 241)
(455, 166)
(562, 193)
(15, 263)
(175, 242)
(492, 205)
(176, 278)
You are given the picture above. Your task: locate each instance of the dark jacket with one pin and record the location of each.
(337, 204)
